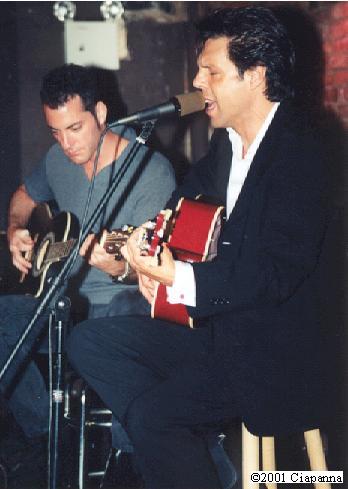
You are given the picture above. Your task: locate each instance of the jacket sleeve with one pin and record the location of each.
(281, 242)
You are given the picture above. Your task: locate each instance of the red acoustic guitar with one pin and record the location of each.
(192, 232)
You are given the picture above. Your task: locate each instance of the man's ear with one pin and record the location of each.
(256, 77)
(101, 112)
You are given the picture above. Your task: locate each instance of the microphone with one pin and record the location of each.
(180, 105)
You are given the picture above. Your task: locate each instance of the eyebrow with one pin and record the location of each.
(69, 127)
(208, 66)
(201, 62)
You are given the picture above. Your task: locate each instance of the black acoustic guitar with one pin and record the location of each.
(54, 237)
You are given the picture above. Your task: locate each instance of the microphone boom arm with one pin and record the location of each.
(181, 105)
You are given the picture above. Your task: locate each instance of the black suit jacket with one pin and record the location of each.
(259, 293)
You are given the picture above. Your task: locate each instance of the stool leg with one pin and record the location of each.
(250, 458)
(268, 458)
(316, 454)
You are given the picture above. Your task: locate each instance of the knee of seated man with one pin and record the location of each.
(145, 415)
(76, 344)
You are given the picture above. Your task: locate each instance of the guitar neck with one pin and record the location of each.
(111, 242)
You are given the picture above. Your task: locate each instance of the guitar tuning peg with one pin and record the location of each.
(127, 228)
(150, 225)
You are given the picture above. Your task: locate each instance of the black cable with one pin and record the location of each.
(76, 248)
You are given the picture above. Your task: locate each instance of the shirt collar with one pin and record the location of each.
(236, 140)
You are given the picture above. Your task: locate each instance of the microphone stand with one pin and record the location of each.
(58, 321)
(59, 279)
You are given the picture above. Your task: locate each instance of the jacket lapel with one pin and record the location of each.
(262, 161)
(222, 166)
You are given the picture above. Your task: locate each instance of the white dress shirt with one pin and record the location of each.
(183, 290)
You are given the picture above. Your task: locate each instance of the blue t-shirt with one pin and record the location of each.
(145, 188)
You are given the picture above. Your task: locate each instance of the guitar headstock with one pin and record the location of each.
(155, 233)
(158, 232)
(113, 241)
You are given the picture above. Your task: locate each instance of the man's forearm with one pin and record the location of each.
(20, 209)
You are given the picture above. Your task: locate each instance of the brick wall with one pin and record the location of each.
(332, 19)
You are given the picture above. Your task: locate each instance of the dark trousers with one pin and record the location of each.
(161, 381)
(23, 386)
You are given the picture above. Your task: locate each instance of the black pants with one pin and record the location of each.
(162, 382)
(23, 385)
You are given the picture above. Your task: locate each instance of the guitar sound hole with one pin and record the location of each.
(41, 254)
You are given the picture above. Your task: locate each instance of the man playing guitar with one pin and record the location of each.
(76, 116)
(257, 358)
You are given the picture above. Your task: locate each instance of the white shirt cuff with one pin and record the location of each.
(183, 290)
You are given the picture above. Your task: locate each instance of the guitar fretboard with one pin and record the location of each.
(61, 249)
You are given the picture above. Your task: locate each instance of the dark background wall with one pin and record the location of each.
(9, 107)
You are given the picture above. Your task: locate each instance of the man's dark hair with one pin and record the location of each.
(67, 81)
(257, 38)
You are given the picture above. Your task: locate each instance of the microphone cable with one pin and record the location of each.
(77, 246)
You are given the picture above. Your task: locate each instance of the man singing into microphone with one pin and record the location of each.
(75, 114)
(256, 354)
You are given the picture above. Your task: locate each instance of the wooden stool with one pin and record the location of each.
(251, 456)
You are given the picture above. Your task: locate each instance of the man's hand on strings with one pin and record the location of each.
(20, 245)
(160, 269)
(97, 256)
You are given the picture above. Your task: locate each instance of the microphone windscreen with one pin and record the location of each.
(190, 102)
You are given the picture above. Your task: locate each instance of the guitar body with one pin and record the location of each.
(46, 231)
(194, 232)
(54, 238)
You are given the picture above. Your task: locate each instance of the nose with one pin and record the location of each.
(64, 141)
(198, 81)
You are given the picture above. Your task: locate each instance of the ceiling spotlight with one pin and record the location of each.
(64, 10)
(111, 9)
